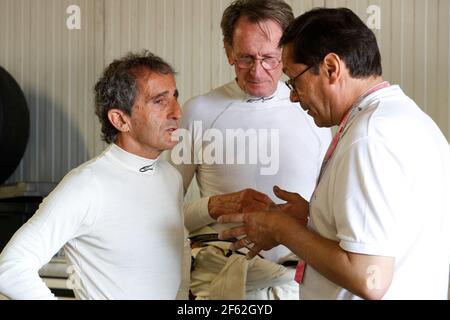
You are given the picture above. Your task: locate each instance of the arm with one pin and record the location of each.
(61, 217)
(298, 208)
(20, 262)
(196, 213)
(204, 211)
(352, 271)
(349, 270)
(371, 191)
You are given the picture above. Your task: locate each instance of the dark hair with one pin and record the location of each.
(321, 31)
(256, 11)
(118, 89)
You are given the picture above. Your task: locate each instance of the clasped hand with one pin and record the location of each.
(262, 229)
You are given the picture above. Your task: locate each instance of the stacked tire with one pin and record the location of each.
(14, 125)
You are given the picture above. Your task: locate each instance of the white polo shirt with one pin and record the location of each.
(386, 192)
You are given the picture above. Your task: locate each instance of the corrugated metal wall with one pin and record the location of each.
(57, 67)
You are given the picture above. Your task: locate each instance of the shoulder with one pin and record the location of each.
(170, 170)
(78, 194)
(209, 101)
(81, 181)
(83, 174)
(388, 116)
(173, 177)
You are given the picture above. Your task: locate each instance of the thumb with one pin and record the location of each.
(285, 195)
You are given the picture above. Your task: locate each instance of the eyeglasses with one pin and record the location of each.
(291, 82)
(268, 63)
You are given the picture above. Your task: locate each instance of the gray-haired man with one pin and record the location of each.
(257, 108)
(119, 215)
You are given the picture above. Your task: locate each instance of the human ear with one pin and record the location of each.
(119, 120)
(332, 66)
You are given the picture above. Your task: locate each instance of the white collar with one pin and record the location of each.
(366, 101)
(244, 97)
(131, 161)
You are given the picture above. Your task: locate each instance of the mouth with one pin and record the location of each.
(256, 82)
(171, 129)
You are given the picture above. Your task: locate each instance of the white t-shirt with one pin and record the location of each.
(294, 164)
(386, 192)
(122, 230)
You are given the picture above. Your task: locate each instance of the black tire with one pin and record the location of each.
(14, 124)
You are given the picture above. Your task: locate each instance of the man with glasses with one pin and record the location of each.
(255, 101)
(377, 225)
(291, 82)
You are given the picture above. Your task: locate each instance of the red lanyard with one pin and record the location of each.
(349, 114)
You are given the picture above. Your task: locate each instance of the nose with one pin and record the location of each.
(175, 111)
(257, 67)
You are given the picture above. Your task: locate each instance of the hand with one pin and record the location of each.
(295, 206)
(260, 230)
(243, 201)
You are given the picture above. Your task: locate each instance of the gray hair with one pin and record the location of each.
(256, 11)
(118, 89)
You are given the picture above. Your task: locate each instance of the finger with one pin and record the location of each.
(285, 206)
(285, 195)
(231, 233)
(253, 252)
(261, 197)
(231, 218)
(281, 206)
(242, 243)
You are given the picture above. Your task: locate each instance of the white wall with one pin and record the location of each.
(57, 67)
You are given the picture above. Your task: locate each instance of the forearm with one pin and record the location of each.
(19, 278)
(348, 270)
(69, 211)
(196, 214)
